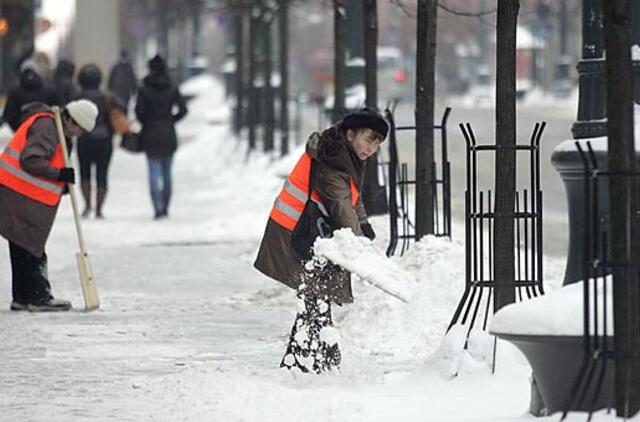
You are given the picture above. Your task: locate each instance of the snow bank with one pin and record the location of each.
(197, 85)
(387, 329)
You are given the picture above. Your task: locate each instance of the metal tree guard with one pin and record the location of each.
(593, 388)
(479, 218)
(399, 183)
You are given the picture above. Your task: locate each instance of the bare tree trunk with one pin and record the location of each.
(283, 36)
(623, 224)
(373, 195)
(505, 165)
(239, 76)
(196, 34)
(340, 49)
(253, 95)
(162, 22)
(269, 118)
(425, 98)
(370, 16)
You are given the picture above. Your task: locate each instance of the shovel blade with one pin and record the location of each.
(88, 282)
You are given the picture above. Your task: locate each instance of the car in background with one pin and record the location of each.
(393, 76)
(393, 80)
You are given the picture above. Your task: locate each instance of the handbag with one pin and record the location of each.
(314, 222)
(117, 117)
(131, 142)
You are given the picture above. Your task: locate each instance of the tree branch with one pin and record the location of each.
(411, 13)
(446, 8)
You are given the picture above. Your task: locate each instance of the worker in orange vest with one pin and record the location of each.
(33, 178)
(330, 173)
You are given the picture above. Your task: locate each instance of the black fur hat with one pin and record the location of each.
(366, 118)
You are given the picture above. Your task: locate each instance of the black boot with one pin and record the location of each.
(31, 288)
(305, 350)
(85, 187)
(100, 197)
(49, 305)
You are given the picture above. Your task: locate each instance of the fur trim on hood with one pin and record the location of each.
(332, 148)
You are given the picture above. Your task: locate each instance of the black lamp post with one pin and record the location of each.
(591, 123)
(592, 110)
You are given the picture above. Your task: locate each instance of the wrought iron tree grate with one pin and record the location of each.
(400, 212)
(479, 223)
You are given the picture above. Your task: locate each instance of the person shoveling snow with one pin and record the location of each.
(321, 194)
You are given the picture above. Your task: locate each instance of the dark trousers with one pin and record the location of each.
(29, 277)
(95, 152)
(306, 350)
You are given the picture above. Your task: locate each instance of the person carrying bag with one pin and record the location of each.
(129, 140)
(321, 194)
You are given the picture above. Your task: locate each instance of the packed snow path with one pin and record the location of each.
(188, 331)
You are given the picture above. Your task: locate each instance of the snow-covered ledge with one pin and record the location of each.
(558, 313)
(549, 331)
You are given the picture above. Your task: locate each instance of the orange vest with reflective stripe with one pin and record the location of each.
(290, 202)
(13, 176)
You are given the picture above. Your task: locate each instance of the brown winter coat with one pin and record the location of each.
(24, 221)
(336, 164)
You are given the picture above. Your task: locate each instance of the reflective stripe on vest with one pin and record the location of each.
(13, 176)
(290, 202)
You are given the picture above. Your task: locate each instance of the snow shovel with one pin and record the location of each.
(87, 281)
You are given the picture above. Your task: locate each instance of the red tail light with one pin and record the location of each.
(401, 75)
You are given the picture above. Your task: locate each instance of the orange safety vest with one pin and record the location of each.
(13, 176)
(290, 202)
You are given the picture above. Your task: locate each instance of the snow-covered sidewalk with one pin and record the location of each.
(188, 331)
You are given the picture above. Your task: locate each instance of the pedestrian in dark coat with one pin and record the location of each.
(122, 79)
(32, 180)
(32, 88)
(95, 147)
(158, 139)
(65, 90)
(338, 156)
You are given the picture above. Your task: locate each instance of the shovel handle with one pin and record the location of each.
(72, 191)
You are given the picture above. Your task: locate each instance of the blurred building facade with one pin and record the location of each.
(185, 32)
(96, 35)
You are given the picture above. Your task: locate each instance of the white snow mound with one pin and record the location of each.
(358, 255)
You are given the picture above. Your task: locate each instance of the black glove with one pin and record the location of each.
(67, 175)
(368, 231)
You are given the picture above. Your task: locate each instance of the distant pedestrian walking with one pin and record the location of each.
(329, 174)
(65, 90)
(158, 139)
(95, 147)
(122, 79)
(32, 88)
(32, 181)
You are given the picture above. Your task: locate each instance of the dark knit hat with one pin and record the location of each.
(157, 64)
(90, 76)
(366, 118)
